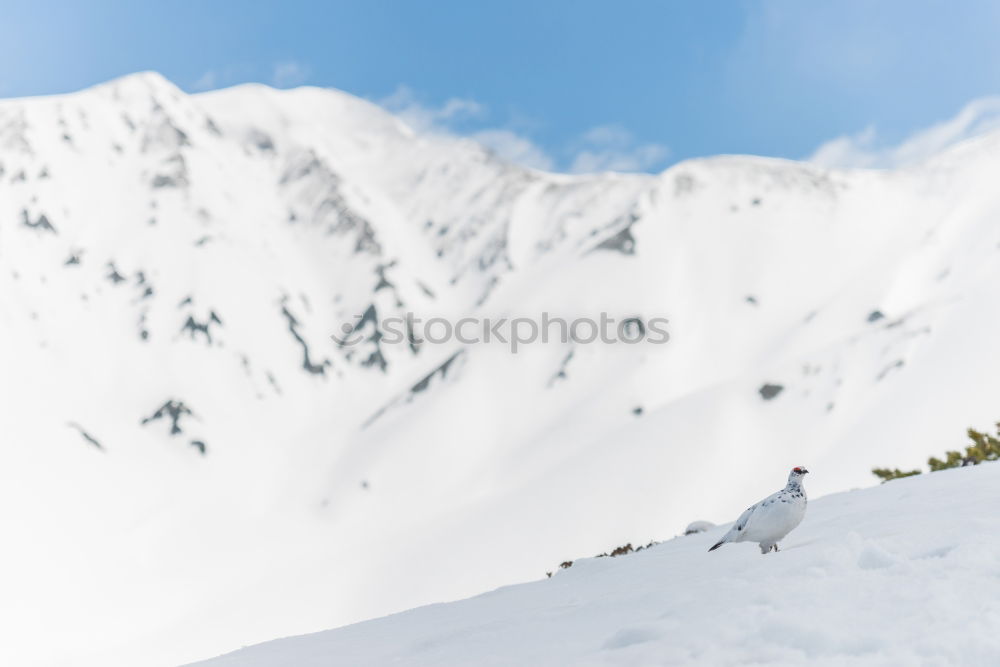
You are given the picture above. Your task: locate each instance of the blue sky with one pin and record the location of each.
(585, 84)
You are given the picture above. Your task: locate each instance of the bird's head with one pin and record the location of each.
(798, 472)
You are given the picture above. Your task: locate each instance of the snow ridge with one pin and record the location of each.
(883, 576)
(172, 268)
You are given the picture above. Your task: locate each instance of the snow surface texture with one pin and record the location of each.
(191, 464)
(903, 574)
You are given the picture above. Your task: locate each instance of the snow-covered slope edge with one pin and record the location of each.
(190, 459)
(905, 573)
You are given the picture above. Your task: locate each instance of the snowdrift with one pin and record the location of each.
(190, 459)
(907, 573)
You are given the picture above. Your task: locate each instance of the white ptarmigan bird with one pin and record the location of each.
(771, 519)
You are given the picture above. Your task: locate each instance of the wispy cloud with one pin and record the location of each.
(207, 81)
(613, 148)
(289, 73)
(468, 118)
(514, 148)
(865, 150)
(429, 118)
(604, 148)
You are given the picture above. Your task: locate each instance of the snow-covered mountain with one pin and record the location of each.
(903, 574)
(191, 460)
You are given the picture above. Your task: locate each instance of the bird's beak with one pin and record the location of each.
(804, 471)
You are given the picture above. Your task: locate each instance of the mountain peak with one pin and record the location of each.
(147, 82)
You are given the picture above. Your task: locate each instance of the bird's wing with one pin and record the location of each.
(741, 524)
(744, 519)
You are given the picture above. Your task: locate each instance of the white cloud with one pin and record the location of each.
(423, 118)
(207, 81)
(288, 73)
(613, 148)
(514, 148)
(455, 112)
(602, 148)
(863, 149)
(607, 135)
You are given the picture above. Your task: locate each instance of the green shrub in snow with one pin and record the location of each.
(886, 474)
(984, 447)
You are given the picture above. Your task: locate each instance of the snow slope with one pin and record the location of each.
(190, 459)
(904, 574)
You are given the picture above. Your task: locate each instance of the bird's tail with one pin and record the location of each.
(718, 544)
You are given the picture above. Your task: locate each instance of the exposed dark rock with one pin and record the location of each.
(321, 186)
(260, 140)
(113, 275)
(494, 281)
(41, 223)
(426, 290)
(419, 387)
(494, 251)
(165, 181)
(174, 174)
(86, 436)
(174, 411)
(163, 133)
(441, 370)
(770, 391)
(875, 316)
(632, 329)
(899, 363)
(307, 363)
(194, 327)
(375, 357)
(561, 373)
(140, 279)
(383, 282)
(623, 242)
